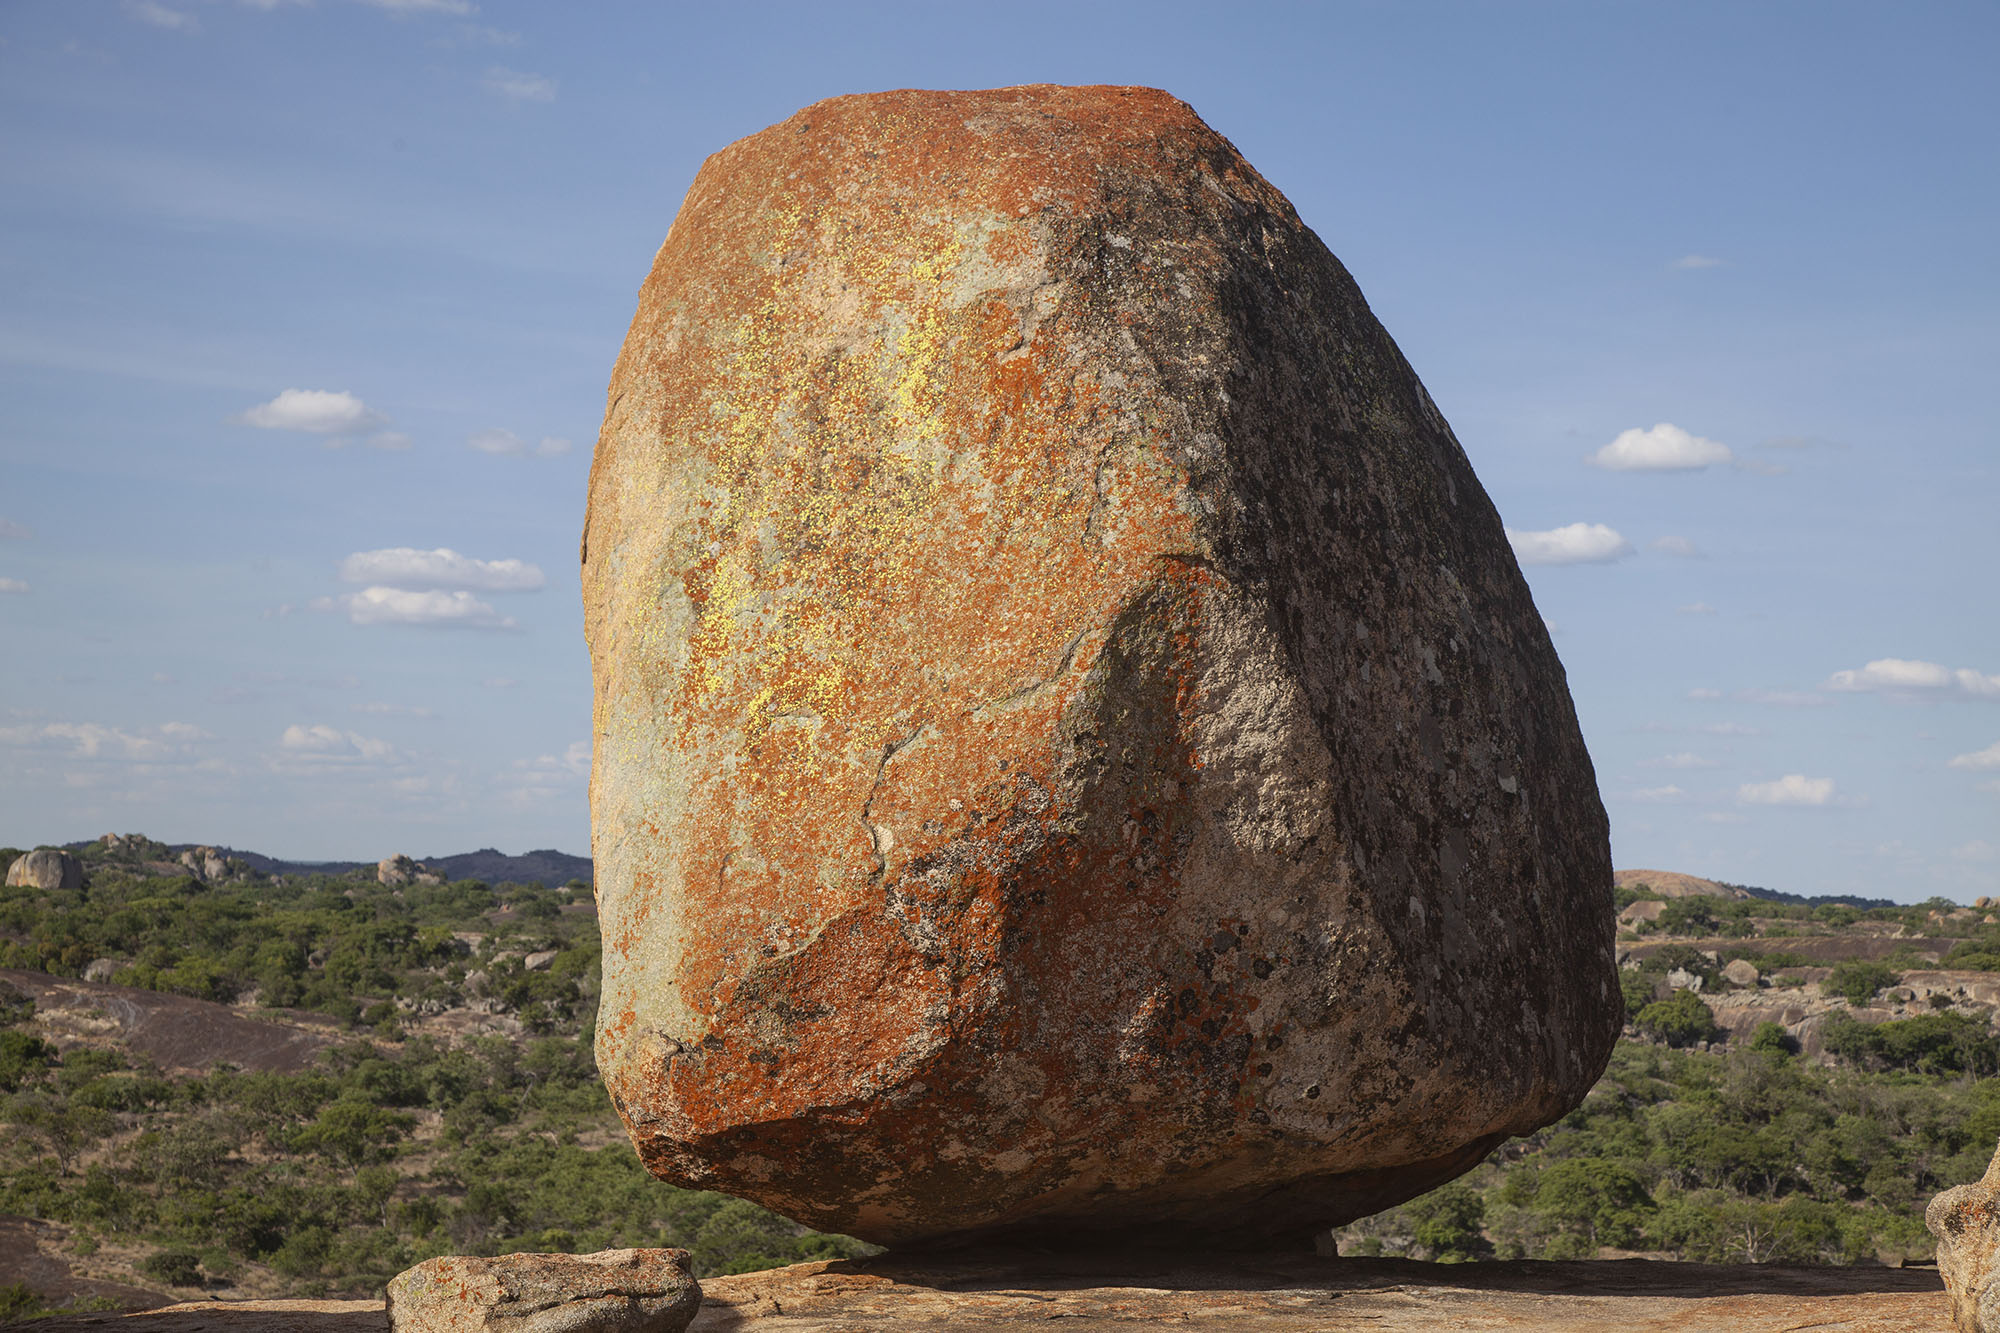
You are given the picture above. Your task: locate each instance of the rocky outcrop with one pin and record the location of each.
(612, 1291)
(1672, 884)
(399, 870)
(47, 868)
(1074, 751)
(1966, 1222)
(210, 864)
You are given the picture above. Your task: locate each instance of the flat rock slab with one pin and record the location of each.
(1283, 1295)
(612, 1291)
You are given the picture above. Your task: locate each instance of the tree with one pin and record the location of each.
(1593, 1203)
(1449, 1223)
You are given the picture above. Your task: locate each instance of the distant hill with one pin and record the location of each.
(1673, 884)
(546, 866)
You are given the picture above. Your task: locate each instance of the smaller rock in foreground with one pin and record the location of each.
(1966, 1222)
(612, 1291)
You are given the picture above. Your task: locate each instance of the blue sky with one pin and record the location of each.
(298, 297)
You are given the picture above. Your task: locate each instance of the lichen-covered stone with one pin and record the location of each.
(612, 1291)
(1966, 1222)
(1074, 750)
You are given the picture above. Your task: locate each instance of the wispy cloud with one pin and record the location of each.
(517, 86)
(333, 743)
(409, 568)
(456, 8)
(1696, 609)
(16, 532)
(506, 444)
(93, 740)
(1791, 789)
(159, 16)
(13, 586)
(1679, 546)
(401, 606)
(393, 710)
(1907, 678)
(1681, 759)
(1572, 544)
(1664, 448)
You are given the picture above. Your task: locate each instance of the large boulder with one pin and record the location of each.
(611, 1291)
(47, 868)
(1074, 749)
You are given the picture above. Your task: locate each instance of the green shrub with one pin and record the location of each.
(1679, 1020)
(176, 1267)
(1858, 981)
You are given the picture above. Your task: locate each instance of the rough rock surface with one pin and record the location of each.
(1966, 1222)
(45, 869)
(1074, 749)
(1267, 1295)
(612, 1291)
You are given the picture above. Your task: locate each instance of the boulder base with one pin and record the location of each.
(1074, 750)
(612, 1291)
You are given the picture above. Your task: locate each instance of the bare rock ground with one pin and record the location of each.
(1278, 1295)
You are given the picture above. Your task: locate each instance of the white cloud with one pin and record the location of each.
(322, 741)
(553, 446)
(517, 86)
(1977, 850)
(316, 411)
(461, 8)
(1729, 729)
(1664, 448)
(1667, 793)
(1704, 693)
(1697, 261)
(146, 11)
(1696, 609)
(13, 585)
(1572, 544)
(393, 440)
(1912, 679)
(401, 606)
(1682, 759)
(1986, 758)
(12, 531)
(1679, 546)
(411, 569)
(1792, 789)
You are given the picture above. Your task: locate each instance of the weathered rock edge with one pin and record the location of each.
(611, 1291)
(1073, 747)
(1966, 1222)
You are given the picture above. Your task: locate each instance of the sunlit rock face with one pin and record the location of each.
(1074, 750)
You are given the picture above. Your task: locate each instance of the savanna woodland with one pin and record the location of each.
(1796, 1079)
